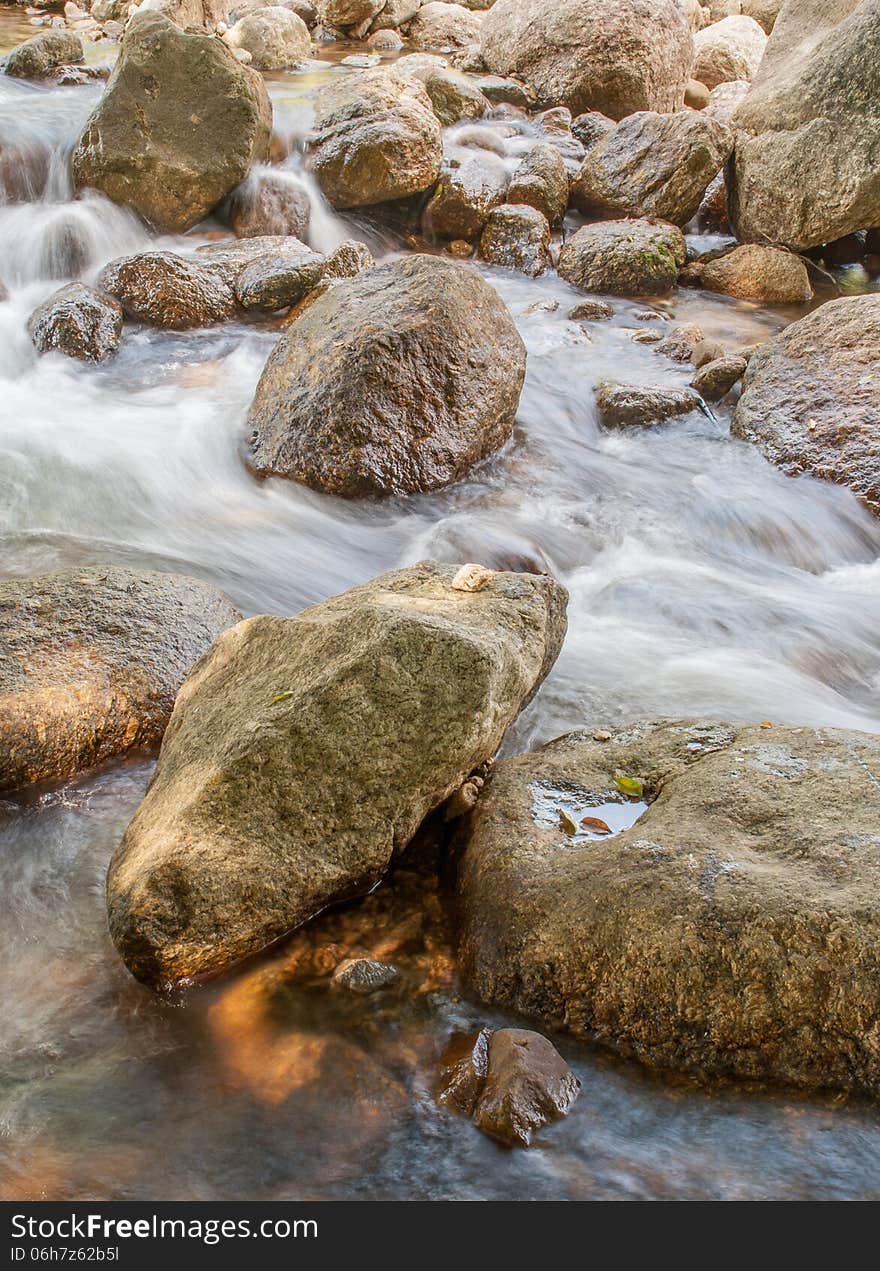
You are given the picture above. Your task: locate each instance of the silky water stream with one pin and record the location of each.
(703, 582)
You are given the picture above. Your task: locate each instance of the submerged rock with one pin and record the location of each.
(732, 928)
(754, 272)
(303, 752)
(510, 1081)
(90, 663)
(42, 53)
(78, 321)
(396, 381)
(811, 396)
(376, 138)
(652, 165)
(626, 257)
(639, 405)
(590, 55)
(162, 289)
(178, 127)
(364, 975)
(805, 167)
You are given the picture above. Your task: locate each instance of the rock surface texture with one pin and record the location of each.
(90, 663)
(616, 56)
(811, 397)
(806, 168)
(626, 257)
(303, 752)
(395, 381)
(732, 929)
(78, 321)
(178, 127)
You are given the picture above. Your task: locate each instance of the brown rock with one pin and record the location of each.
(464, 197)
(269, 203)
(517, 237)
(728, 50)
(755, 272)
(90, 663)
(79, 322)
(463, 1069)
(540, 180)
(642, 406)
(166, 290)
(395, 381)
(528, 1084)
(626, 257)
(715, 380)
(277, 281)
(444, 26)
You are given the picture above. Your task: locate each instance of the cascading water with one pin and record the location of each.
(703, 582)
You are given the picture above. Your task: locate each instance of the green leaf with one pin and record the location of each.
(632, 787)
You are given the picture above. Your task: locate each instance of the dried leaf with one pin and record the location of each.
(281, 697)
(596, 824)
(566, 822)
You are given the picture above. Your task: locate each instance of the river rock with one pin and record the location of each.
(348, 260)
(364, 975)
(396, 381)
(395, 13)
(626, 257)
(90, 663)
(540, 180)
(652, 165)
(805, 168)
(376, 138)
(444, 26)
(715, 379)
(453, 96)
(278, 280)
(811, 396)
(275, 38)
(78, 321)
(162, 289)
(642, 406)
(464, 197)
(765, 12)
(40, 55)
(517, 237)
(733, 928)
(754, 272)
(589, 55)
(528, 1084)
(199, 15)
(178, 127)
(269, 202)
(303, 752)
(388, 41)
(728, 50)
(351, 13)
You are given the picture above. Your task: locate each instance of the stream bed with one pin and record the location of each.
(703, 583)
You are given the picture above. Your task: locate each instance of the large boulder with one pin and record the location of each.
(395, 381)
(303, 752)
(806, 168)
(699, 896)
(275, 38)
(41, 54)
(652, 165)
(617, 56)
(754, 272)
(728, 50)
(79, 321)
(626, 257)
(178, 127)
(90, 663)
(375, 138)
(811, 396)
(438, 25)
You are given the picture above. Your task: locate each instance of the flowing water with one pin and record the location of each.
(703, 582)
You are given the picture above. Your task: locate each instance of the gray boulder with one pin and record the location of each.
(42, 53)
(811, 396)
(805, 169)
(517, 237)
(728, 924)
(304, 752)
(626, 257)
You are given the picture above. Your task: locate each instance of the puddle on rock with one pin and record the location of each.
(565, 805)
